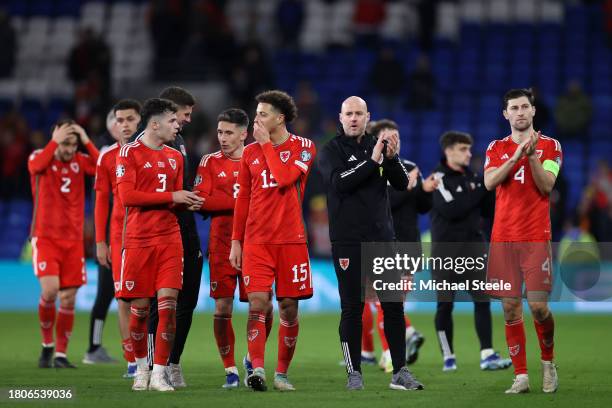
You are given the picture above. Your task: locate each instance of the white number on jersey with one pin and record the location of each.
(162, 180)
(303, 272)
(236, 188)
(520, 175)
(268, 183)
(65, 188)
(546, 266)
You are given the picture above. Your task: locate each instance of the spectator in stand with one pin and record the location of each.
(388, 78)
(290, 16)
(421, 86)
(541, 120)
(573, 113)
(251, 75)
(90, 59)
(307, 101)
(9, 45)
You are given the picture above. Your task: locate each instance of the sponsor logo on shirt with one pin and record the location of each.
(222, 174)
(303, 287)
(284, 156)
(120, 170)
(505, 156)
(352, 158)
(256, 161)
(148, 165)
(344, 263)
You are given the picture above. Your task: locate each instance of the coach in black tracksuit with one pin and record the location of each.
(355, 169)
(193, 260)
(458, 205)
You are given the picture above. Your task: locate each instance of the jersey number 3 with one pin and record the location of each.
(162, 180)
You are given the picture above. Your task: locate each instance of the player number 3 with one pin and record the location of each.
(162, 180)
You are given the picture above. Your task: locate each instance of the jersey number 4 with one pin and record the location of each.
(520, 175)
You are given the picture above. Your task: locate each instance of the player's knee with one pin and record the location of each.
(258, 304)
(50, 294)
(539, 310)
(223, 308)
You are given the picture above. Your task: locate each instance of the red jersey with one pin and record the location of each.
(58, 192)
(146, 178)
(217, 183)
(522, 213)
(272, 181)
(106, 184)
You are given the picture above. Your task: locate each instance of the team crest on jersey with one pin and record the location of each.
(137, 336)
(252, 334)
(514, 350)
(42, 266)
(129, 285)
(539, 153)
(284, 156)
(305, 155)
(197, 181)
(290, 341)
(246, 280)
(120, 170)
(213, 286)
(74, 166)
(223, 350)
(172, 163)
(235, 174)
(344, 263)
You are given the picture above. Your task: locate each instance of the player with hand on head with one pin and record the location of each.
(522, 169)
(150, 185)
(269, 236)
(57, 175)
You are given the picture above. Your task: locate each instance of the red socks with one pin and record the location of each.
(138, 330)
(546, 334)
(287, 338)
(128, 350)
(256, 339)
(269, 321)
(166, 329)
(46, 317)
(63, 328)
(367, 339)
(224, 335)
(515, 337)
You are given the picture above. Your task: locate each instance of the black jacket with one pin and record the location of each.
(458, 203)
(185, 218)
(406, 207)
(357, 198)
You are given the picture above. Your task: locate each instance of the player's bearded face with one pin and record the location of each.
(520, 112)
(66, 150)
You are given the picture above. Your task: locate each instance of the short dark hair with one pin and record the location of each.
(178, 95)
(452, 137)
(281, 101)
(156, 106)
(62, 122)
(517, 93)
(235, 116)
(381, 124)
(125, 104)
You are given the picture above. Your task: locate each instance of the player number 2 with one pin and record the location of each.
(162, 180)
(520, 175)
(302, 272)
(65, 188)
(268, 183)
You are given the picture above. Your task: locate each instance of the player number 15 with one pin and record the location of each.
(302, 272)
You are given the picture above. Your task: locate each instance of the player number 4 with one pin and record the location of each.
(520, 175)
(302, 272)
(162, 180)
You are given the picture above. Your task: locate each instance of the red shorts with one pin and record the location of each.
(518, 262)
(286, 265)
(115, 250)
(146, 270)
(59, 257)
(223, 277)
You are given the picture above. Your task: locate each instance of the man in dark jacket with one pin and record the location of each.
(356, 168)
(458, 202)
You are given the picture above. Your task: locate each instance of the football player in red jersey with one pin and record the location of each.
(57, 174)
(217, 183)
(150, 185)
(126, 116)
(269, 236)
(522, 168)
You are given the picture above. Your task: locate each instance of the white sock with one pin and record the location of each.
(48, 345)
(142, 364)
(484, 353)
(387, 354)
(158, 368)
(410, 331)
(367, 354)
(522, 376)
(60, 355)
(231, 370)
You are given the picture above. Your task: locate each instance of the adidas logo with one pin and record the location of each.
(459, 189)
(505, 156)
(303, 286)
(352, 158)
(148, 165)
(222, 174)
(256, 161)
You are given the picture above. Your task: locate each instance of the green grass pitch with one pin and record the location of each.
(582, 348)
